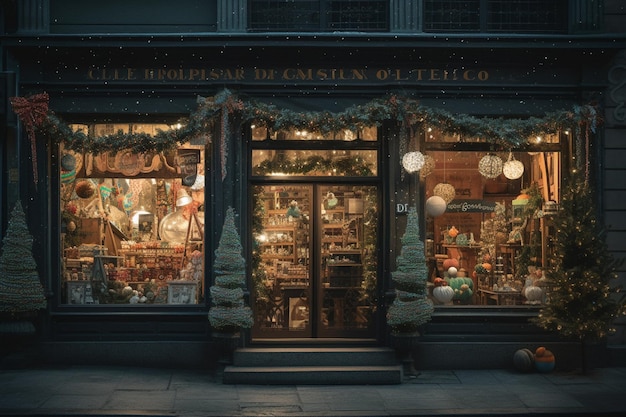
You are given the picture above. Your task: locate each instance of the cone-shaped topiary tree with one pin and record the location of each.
(228, 313)
(21, 291)
(582, 304)
(411, 308)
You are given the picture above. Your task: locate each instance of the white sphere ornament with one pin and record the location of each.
(445, 191)
(413, 161)
(512, 168)
(435, 206)
(490, 166)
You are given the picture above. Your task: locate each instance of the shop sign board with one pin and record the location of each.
(471, 206)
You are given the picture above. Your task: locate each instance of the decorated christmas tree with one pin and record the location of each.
(493, 232)
(582, 303)
(411, 308)
(20, 288)
(228, 313)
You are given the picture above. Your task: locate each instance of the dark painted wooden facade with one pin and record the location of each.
(149, 61)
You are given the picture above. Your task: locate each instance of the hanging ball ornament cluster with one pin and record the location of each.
(513, 169)
(445, 191)
(490, 166)
(413, 161)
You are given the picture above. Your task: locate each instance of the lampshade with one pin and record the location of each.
(513, 169)
(435, 206)
(183, 198)
(490, 166)
(445, 191)
(413, 161)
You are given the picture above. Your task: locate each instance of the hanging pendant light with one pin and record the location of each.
(429, 166)
(444, 189)
(413, 161)
(513, 169)
(490, 166)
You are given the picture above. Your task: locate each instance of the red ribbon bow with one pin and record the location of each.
(32, 112)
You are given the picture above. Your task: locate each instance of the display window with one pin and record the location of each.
(132, 223)
(489, 229)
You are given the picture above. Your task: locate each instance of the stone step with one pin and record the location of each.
(314, 356)
(313, 375)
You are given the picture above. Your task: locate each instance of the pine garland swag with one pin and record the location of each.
(216, 110)
(21, 290)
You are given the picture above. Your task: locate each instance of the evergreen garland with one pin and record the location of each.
(502, 131)
(228, 312)
(20, 287)
(411, 308)
(582, 302)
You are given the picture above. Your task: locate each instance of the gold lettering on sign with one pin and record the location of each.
(295, 74)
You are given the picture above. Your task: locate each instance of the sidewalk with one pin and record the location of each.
(119, 391)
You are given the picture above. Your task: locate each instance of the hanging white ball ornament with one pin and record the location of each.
(435, 206)
(413, 161)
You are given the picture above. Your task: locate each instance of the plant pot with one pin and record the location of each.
(226, 343)
(405, 344)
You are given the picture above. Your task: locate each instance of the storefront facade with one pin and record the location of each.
(128, 236)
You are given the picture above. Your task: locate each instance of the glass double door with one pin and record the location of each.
(315, 261)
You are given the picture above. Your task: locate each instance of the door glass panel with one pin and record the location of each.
(347, 259)
(281, 227)
(315, 261)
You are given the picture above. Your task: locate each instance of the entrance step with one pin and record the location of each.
(309, 366)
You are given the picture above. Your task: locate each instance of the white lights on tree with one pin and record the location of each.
(435, 206)
(513, 169)
(413, 161)
(445, 191)
(490, 166)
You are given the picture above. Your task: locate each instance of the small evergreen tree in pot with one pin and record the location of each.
(228, 312)
(21, 292)
(411, 307)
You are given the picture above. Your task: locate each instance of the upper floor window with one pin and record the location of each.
(519, 16)
(318, 15)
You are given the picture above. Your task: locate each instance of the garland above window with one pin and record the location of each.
(509, 133)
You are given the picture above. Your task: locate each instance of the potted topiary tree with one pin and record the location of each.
(582, 302)
(21, 292)
(228, 314)
(411, 307)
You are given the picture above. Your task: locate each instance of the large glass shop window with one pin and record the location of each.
(132, 224)
(489, 227)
